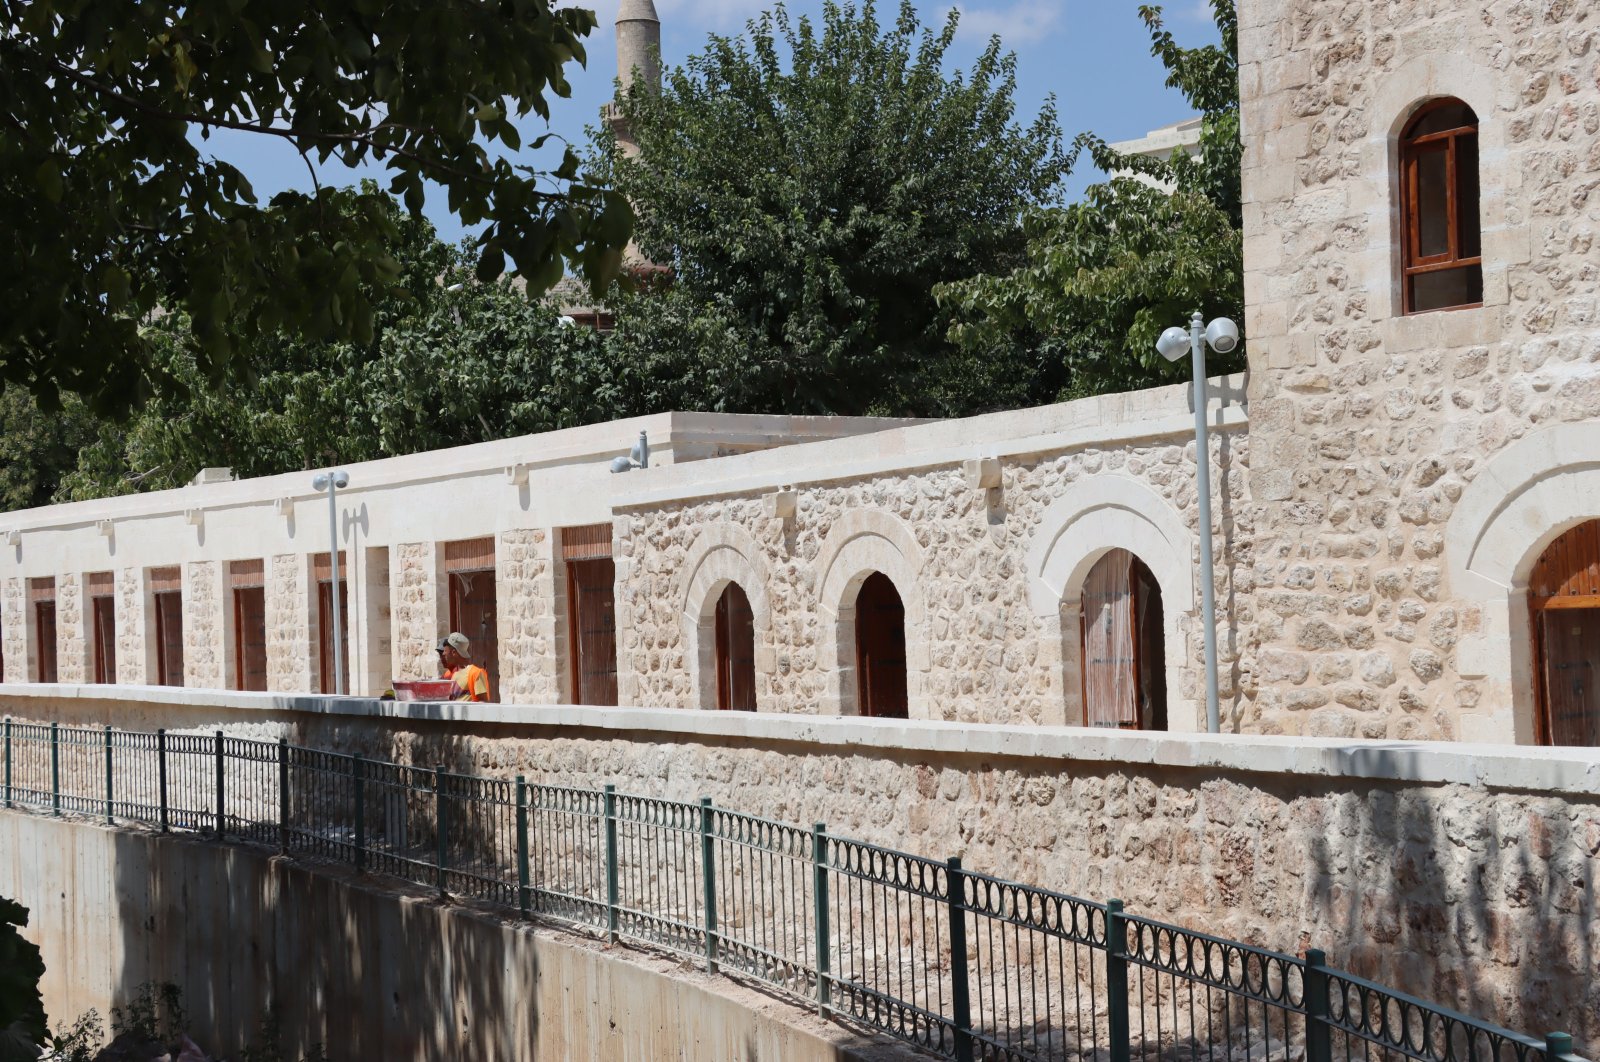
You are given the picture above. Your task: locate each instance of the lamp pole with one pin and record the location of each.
(1223, 335)
(332, 482)
(1202, 473)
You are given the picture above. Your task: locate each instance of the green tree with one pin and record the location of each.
(809, 186)
(452, 360)
(115, 210)
(1106, 275)
(23, 1027)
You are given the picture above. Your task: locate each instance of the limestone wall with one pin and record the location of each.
(72, 630)
(983, 644)
(525, 594)
(289, 601)
(416, 605)
(1372, 603)
(203, 644)
(13, 630)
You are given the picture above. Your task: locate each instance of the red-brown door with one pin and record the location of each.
(325, 633)
(593, 622)
(44, 621)
(736, 651)
(169, 638)
(105, 640)
(473, 612)
(250, 638)
(1564, 598)
(881, 648)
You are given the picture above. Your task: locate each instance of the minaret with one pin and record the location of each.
(638, 60)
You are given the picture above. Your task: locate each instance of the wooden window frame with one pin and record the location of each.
(1579, 588)
(1413, 263)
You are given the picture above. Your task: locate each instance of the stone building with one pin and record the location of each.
(1405, 488)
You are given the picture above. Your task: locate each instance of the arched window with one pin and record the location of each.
(1564, 598)
(880, 648)
(736, 651)
(1442, 242)
(1124, 654)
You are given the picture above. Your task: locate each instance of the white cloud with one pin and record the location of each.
(1020, 23)
(1196, 11)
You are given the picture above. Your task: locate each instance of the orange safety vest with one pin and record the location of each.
(472, 683)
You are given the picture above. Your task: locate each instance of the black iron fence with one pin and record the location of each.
(963, 964)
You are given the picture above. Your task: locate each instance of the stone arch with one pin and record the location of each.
(861, 542)
(1077, 529)
(1519, 502)
(1397, 95)
(722, 553)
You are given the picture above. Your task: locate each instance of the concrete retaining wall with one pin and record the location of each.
(368, 970)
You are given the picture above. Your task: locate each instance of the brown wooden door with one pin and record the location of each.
(250, 638)
(325, 633)
(1564, 599)
(169, 638)
(473, 612)
(736, 651)
(881, 648)
(44, 621)
(1123, 645)
(593, 622)
(105, 639)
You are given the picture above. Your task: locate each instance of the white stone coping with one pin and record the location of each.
(1566, 771)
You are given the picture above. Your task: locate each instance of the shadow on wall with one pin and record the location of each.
(1509, 877)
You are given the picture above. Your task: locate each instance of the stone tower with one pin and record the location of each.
(638, 60)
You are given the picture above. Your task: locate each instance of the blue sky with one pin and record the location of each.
(1093, 55)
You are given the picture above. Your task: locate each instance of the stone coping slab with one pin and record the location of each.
(1573, 771)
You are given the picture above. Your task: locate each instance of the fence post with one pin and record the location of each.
(960, 989)
(55, 768)
(611, 862)
(440, 828)
(221, 791)
(109, 794)
(1319, 1038)
(1117, 981)
(358, 770)
(819, 897)
(283, 795)
(708, 877)
(1557, 1045)
(161, 774)
(522, 846)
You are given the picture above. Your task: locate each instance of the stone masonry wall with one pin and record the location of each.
(525, 594)
(72, 642)
(1368, 425)
(1482, 899)
(415, 603)
(13, 629)
(288, 605)
(989, 657)
(203, 650)
(132, 651)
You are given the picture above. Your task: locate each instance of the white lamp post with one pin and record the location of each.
(332, 482)
(1223, 335)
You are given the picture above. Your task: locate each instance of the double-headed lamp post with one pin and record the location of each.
(1223, 335)
(333, 482)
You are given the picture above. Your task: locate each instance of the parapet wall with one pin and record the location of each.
(1459, 873)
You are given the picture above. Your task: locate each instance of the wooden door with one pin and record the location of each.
(736, 651)
(325, 633)
(44, 622)
(250, 638)
(1564, 599)
(593, 631)
(169, 638)
(473, 612)
(105, 640)
(880, 648)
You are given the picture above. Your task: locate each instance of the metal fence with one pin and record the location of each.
(964, 965)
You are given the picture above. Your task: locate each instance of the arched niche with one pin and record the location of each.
(721, 554)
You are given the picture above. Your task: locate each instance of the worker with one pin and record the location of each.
(472, 681)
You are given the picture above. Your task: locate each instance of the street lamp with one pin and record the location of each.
(1223, 335)
(332, 482)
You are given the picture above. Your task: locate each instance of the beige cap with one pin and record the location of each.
(457, 641)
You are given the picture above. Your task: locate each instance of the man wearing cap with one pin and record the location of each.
(472, 681)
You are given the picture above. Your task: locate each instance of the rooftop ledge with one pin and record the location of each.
(1567, 771)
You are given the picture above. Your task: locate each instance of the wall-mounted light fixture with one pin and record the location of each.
(517, 474)
(638, 457)
(780, 504)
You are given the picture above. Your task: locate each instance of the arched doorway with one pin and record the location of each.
(1564, 606)
(736, 651)
(880, 648)
(1123, 646)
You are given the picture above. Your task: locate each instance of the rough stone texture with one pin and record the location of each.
(72, 641)
(417, 597)
(1482, 899)
(14, 639)
(1367, 424)
(525, 594)
(289, 645)
(987, 657)
(203, 648)
(134, 654)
